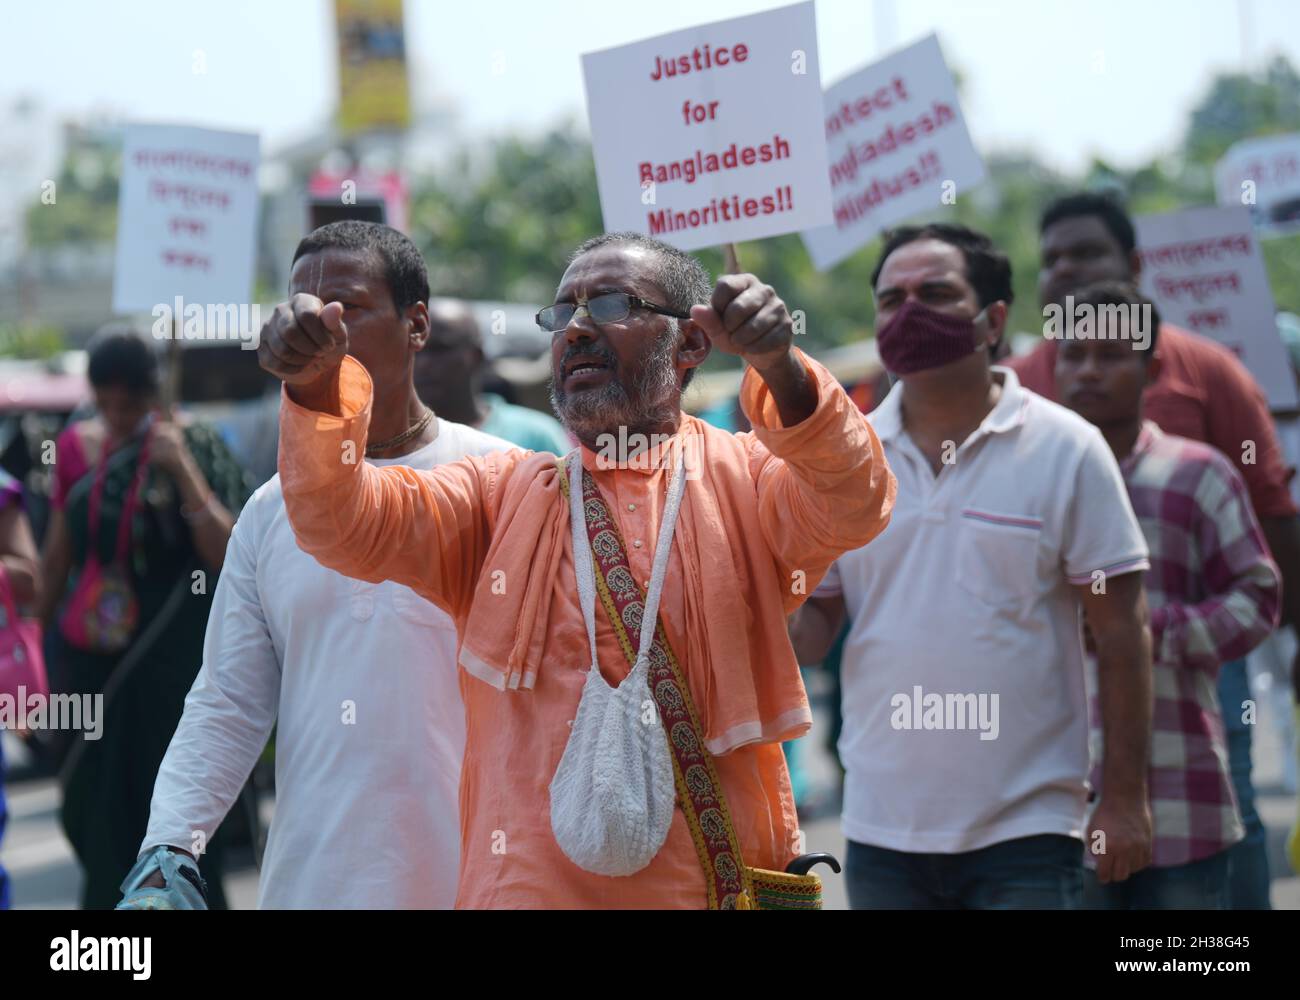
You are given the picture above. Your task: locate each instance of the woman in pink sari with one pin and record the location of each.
(143, 508)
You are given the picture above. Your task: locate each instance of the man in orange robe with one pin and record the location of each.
(487, 539)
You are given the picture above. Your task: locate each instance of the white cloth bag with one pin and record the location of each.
(613, 793)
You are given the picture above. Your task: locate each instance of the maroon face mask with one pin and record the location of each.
(917, 338)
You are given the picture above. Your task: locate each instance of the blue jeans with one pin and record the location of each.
(1044, 872)
(1197, 885)
(1248, 877)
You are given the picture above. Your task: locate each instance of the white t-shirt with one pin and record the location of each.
(363, 680)
(966, 598)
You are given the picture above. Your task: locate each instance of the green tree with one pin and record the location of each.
(1241, 105)
(85, 203)
(34, 342)
(500, 225)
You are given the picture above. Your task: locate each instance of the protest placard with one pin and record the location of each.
(187, 217)
(1264, 175)
(1203, 269)
(898, 146)
(712, 134)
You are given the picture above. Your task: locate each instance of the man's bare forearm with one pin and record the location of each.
(322, 396)
(793, 389)
(1283, 537)
(56, 564)
(814, 627)
(1124, 692)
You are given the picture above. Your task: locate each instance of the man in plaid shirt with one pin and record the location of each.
(1212, 589)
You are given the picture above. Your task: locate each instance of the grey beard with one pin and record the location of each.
(599, 411)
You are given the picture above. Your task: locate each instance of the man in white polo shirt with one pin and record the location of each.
(965, 738)
(367, 761)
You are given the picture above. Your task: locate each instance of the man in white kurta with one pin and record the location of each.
(367, 760)
(367, 763)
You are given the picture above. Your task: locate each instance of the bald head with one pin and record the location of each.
(452, 324)
(449, 370)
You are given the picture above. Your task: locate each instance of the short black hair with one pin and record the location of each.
(120, 356)
(404, 270)
(1105, 207)
(987, 268)
(684, 280)
(1120, 293)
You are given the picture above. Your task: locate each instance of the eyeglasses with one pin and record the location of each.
(608, 308)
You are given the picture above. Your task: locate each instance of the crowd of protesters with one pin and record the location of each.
(1035, 580)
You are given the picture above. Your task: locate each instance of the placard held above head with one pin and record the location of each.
(1264, 175)
(1204, 270)
(712, 134)
(187, 217)
(898, 147)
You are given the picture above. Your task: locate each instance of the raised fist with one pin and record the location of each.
(304, 340)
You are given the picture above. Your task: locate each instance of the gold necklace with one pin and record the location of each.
(406, 435)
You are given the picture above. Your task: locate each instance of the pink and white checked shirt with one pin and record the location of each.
(1214, 596)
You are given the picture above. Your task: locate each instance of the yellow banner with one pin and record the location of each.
(373, 91)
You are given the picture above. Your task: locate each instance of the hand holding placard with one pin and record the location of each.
(747, 318)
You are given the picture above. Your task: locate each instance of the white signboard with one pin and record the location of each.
(712, 134)
(1204, 271)
(898, 147)
(187, 218)
(1264, 175)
